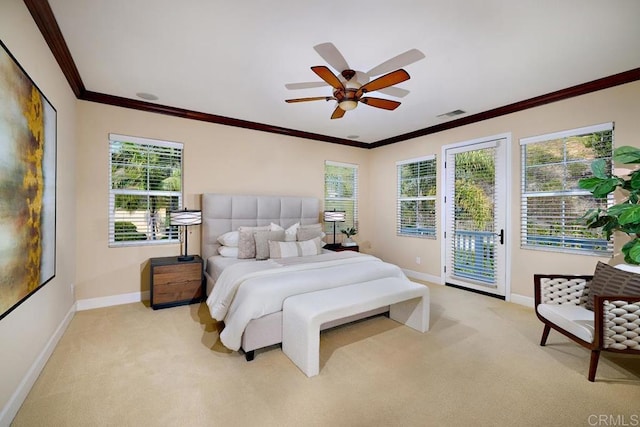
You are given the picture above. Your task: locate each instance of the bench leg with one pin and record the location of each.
(545, 335)
(302, 345)
(413, 313)
(593, 365)
(249, 355)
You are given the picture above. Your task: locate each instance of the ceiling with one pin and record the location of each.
(232, 59)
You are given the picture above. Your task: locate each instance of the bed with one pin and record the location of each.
(247, 293)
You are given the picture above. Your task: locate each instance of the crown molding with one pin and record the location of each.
(581, 89)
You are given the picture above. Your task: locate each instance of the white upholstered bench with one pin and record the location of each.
(304, 314)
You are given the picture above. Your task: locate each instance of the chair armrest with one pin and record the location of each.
(617, 322)
(560, 288)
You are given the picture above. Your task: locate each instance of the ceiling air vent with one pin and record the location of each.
(452, 113)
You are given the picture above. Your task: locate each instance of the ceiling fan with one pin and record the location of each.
(350, 85)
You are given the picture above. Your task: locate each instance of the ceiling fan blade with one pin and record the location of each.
(332, 55)
(386, 104)
(402, 60)
(338, 113)
(315, 98)
(325, 74)
(394, 91)
(305, 85)
(387, 80)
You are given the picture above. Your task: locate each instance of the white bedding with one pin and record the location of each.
(246, 291)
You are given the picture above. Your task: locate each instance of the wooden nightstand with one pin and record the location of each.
(176, 282)
(339, 248)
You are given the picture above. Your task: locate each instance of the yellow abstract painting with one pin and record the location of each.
(27, 185)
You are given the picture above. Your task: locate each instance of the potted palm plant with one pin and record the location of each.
(351, 231)
(625, 215)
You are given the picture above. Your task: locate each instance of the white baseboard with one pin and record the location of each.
(422, 276)
(514, 298)
(91, 303)
(10, 410)
(523, 300)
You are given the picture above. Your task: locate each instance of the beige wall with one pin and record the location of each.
(216, 159)
(25, 333)
(232, 160)
(620, 104)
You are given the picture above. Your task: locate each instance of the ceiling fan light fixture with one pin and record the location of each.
(348, 105)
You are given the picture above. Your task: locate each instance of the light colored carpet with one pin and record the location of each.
(480, 364)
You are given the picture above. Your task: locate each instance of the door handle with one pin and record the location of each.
(501, 234)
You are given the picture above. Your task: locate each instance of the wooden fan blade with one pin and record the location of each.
(332, 55)
(305, 85)
(402, 60)
(338, 113)
(387, 80)
(394, 91)
(325, 74)
(315, 98)
(386, 104)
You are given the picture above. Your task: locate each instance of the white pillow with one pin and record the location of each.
(229, 239)
(295, 249)
(289, 233)
(228, 251)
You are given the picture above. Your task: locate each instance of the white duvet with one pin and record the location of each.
(247, 291)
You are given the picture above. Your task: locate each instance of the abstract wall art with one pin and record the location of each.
(27, 185)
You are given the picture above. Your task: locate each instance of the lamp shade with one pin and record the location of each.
(185, 217)
(334, 216)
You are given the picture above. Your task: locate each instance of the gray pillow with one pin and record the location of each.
(608, 280)
(246, 241)
(262, 239)
(309, 231)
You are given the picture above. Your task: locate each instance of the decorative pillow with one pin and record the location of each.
(228, 251)
(229, 239)
(294, 249)
(246, 241)
(289, 233)
(608, 280)
(308, 232)
(262, 239)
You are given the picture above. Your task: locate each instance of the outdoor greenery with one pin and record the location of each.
(340, 187)
(553, 203)
(417, 193)
(127, 231)
(146, 181)
(623, 216)
(474, 188)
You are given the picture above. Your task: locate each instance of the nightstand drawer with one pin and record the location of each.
(177, 291)
(175, 283)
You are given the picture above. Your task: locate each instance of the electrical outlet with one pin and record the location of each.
(418, 260)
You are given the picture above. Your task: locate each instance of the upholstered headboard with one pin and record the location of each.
(227, 212)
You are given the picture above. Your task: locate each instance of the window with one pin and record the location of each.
(417, 197)
(145, 181)
(552, 203)
(341, 193)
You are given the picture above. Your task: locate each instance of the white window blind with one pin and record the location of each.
(416, 207)
(341, 193)
(552, 202)
(145, 181)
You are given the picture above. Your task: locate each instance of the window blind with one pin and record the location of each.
(552, 203)
(341, 193)
(416, 205)
(145, 179)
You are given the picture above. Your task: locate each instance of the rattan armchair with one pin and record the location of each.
(613, 325)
